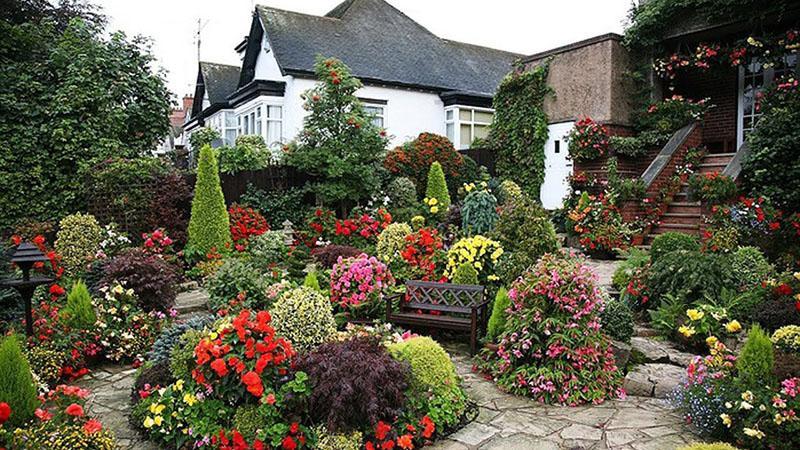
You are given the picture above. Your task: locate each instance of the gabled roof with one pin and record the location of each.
(381, 44)
(217, 81)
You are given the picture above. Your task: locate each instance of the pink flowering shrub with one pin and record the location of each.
(553, 349)
(358, 284)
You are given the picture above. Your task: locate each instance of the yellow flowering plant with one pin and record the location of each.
(479, 251)
(704, 324)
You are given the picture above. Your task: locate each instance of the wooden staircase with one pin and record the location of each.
(684, 215)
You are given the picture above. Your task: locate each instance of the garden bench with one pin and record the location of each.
(448, 306)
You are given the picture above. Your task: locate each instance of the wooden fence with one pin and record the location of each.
(482, 156)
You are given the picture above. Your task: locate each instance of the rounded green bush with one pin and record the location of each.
(617, 320)
(465, 274)
(714, 446)
(337, 441)
(671, 241)
(248, 419)
(689, 275)
(497, 321)
(402, 192)
(77, 241)
(46, 363)
(479, 212)
(431, 368)
(305, 317)
(756, 360)
(787, 338)
(181, 357)
(509, 193)
(267, 249)
(749, 266)
(392, 241)
(17, 387)
(232, 278)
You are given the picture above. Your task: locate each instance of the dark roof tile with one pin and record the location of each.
(220, 81)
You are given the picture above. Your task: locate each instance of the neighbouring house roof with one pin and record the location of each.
(381, 44)
(217, 81)
(573, 46)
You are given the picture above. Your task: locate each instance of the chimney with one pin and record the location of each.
(187, 102)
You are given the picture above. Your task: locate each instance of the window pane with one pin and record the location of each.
(466, 136)
(378, 121)
(274, 112)
(230, 136)
(483, 117)
(258, 126)
(273, 131)
(258, 112)
(465, 114)
(481, 131)
(230, 120)
(451, 132)
(448, 115)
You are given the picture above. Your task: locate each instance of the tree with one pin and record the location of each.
(340, 147)
(70, 95)
(209, 226)
(437, 188)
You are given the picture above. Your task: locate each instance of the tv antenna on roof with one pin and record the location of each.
(200, 26)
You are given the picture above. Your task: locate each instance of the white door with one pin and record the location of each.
(557, 167)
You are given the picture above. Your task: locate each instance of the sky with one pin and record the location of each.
(525, 27)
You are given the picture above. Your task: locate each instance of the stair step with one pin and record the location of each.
(675, 218)
(683, 215)
(684, 208)
(719, 158)
(678, 227)
(711, 167)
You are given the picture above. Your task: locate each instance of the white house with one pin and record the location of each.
(414, 81)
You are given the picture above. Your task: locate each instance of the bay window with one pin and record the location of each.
(263, 120)
(464, 124)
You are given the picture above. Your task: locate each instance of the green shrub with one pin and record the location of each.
(402, 192)
(209, 226)
(749, 266)
(465, 274)
(671, 241)
(688, 274)
(756, 360)
(249, 153)
(268, 249)
(171, 337)
(248, 419)
(437, 188)
(78, 240)
(509, 193)
(277, 206)
(62, 436)
(664, 319)
(392, 241)
(479, 212)
(434, 388)
(79, 312)
(744, 305)
(714, 446)
(181, 357)
(617, 320)
(526, 233)
(635, 258)
(311, 281)
(305, 317)
(17, 387)
(417, 222)
(776, 312)
(787, 338)
(497, 321)
(338, 441)
(712, 188)
(232, 278)
(203, 137)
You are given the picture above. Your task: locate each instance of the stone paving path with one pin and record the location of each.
(509, 422)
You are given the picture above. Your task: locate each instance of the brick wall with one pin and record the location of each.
(626, 167)
(721, 86)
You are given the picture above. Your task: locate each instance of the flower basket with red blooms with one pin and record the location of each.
(713, 187)
(243, 360)
(599, 226)
(246, 223)
(424, 255)
(588, 140)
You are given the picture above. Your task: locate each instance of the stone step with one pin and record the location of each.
(685, 208)
(656, 351)
(642, 331)
(711, 167)
(653, 380)
(662, 228)
(680, 218)
(189, 286)
(718, 158)
(191, 301)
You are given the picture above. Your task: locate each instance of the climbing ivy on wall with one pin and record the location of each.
(519, 130)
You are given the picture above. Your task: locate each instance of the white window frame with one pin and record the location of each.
(255, 120)
(382, 107)
(456, 121)
(767, 77)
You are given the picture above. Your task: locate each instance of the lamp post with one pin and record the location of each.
(25, 257)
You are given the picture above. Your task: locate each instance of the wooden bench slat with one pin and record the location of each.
(434, 307)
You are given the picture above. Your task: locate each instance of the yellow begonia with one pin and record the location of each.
(711, 341)
(756, 433)
(687, 331)
(797, 275)
(726, 420)
(694, 314)
(156, 408)
(179, 385)
(158, 420)
(733, 326)
(148, 422)
(434, 209)
(189, 399)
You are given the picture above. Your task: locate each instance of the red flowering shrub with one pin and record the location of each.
(423, 255)
(245, 223)
(355, 384)
(243, 359)
(327, 256)
(359, 230)
(588, 140)
(157, 242)
(408, 437)
(599, 225)
(414, 158)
